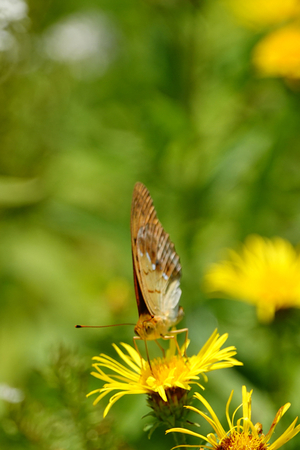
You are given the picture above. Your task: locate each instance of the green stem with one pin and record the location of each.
(179, 438)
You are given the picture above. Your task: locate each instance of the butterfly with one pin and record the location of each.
(156, 270)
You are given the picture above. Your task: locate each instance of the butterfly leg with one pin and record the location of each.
(137, 338)
(173, 334)
(161, 347)
(186, 331)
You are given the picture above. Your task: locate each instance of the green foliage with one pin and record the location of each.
(55, 413)
(168, 98)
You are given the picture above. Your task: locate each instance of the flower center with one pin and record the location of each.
(241, 441)
(165, 372)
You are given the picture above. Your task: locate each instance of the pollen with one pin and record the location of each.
(241, 441)
(169, 372)
(169, 377)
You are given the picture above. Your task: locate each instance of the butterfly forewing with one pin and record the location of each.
(157, 269)
(142, 211)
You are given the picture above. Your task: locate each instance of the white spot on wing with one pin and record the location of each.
(148, 256)
(165, 276)
(153, 266)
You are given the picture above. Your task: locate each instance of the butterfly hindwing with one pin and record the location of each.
(160, 271)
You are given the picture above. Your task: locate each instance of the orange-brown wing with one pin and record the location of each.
(142, 212)
(157, 269)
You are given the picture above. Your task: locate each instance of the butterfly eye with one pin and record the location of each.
(148, 327)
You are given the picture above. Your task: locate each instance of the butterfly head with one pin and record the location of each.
(150, 328)
(155, 327)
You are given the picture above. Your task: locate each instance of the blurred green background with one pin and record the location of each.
(96, 95)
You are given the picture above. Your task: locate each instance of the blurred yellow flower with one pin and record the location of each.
(265, 273)
(263, 13)
(242, 433)
(167, 376)
(278, 53)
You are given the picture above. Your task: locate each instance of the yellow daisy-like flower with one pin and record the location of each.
(167, 378)
(278, 53)
(263, 13)
(265, 273)
(242, 433)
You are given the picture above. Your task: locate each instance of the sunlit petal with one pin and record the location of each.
(242, 433)
(170, 374)
(266, 273)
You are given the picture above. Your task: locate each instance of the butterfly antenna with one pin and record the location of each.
(104, 326)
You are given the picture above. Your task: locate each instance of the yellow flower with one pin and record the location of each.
(242, 433)
(168, 376)
(278, 53)
(265, 273)
(263, 13)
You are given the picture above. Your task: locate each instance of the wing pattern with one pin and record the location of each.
(157, 268)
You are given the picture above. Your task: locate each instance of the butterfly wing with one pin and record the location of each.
(142, 212)
(160, 271)
(157, 268)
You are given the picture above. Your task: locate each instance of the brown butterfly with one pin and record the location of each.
(156, 270)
